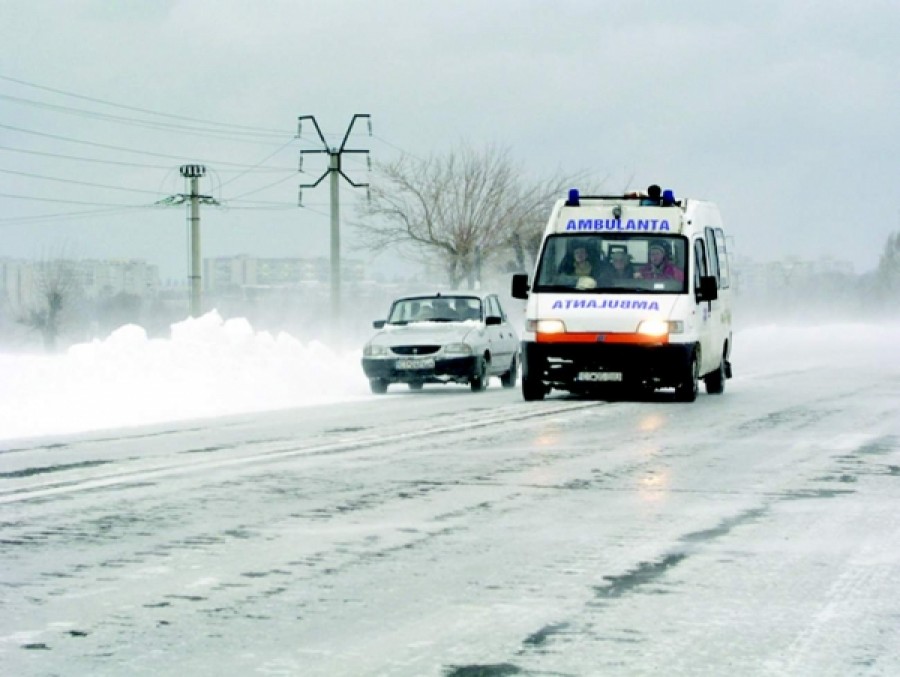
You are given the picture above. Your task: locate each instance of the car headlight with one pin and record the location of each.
(546, 326)
(660, 327)
(375, 350)
(458, 349)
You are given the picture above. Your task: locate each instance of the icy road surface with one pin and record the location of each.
(456, 534)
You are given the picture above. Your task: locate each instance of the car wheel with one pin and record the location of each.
(508, 380)
(715, 382)
(378, 385)
(479, 379)
(415, 385)
(686, 391)
(532, 390)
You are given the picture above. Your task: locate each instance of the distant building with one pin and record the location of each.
(22, 280)
(229, 273)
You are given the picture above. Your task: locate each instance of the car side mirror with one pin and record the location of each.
(708, 289)
(520, 286)
(493, 319)
(378, 324)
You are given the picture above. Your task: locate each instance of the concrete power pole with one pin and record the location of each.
(334, 169)
(193, 173)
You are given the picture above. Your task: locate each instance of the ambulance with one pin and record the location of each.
(631, 292)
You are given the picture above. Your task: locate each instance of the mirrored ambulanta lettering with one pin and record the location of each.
(624, 304)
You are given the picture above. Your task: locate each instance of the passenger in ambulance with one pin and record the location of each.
(579, 269)
(621, 267)
(660, 265)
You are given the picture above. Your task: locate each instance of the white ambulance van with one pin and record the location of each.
(628, 291)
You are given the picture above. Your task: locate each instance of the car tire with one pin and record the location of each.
(533, 391)
(508, 380)
(415, 385)
(479, 379)
(715, 382)
(686, 391)
(378, 386)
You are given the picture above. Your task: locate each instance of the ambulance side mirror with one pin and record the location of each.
(708, 289)
(520, 286)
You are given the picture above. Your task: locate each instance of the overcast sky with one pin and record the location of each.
(785, 112)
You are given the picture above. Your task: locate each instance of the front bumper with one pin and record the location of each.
(445, 369)
(558, 364)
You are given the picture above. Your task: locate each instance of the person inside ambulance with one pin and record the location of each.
(620, 263)
(579, 268)
(660, 265)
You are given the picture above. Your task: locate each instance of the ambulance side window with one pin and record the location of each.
(700, 267)
(714, 267)
(722, 250)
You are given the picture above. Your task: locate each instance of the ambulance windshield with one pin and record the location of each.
(612, 264)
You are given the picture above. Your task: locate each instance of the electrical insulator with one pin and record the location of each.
(192, 171)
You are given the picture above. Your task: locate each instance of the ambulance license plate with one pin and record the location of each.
(599, 376)
(421, 363)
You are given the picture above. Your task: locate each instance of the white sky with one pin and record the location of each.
(213, 367)
(782, 111)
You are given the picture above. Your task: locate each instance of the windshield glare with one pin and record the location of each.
(435, 309)
(612, 263)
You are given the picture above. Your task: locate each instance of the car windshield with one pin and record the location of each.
(435, 309)
(613, 263)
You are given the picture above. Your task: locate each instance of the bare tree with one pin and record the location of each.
(888, 273)
(465, 210)
(55, 286)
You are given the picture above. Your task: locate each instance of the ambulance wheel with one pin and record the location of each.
(686, 391)
(508, 380)
(378, 385)
(533, 391)
(715, 382)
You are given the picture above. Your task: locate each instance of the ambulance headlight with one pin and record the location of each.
(660, 327)
(546, 326)
(375, 350)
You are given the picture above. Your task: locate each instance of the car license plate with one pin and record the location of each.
(599, 376)
(421, 363)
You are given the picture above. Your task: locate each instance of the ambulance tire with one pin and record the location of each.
(532, 391)
(715, 381)
(378, 385)
(508, 380)
(686, 391)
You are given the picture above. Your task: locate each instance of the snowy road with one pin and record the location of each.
(451, 533)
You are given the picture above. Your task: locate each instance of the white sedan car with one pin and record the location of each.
(452, 337)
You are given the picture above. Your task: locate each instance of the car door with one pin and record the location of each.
(502, 336)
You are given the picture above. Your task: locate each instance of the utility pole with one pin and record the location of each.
(193, 173)
(334, 169)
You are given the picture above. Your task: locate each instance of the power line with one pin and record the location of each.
(79, 183)
(104, 145)
(135, 108)
(119, 163)
(166, 126)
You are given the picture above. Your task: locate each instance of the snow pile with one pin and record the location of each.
(209, 367)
